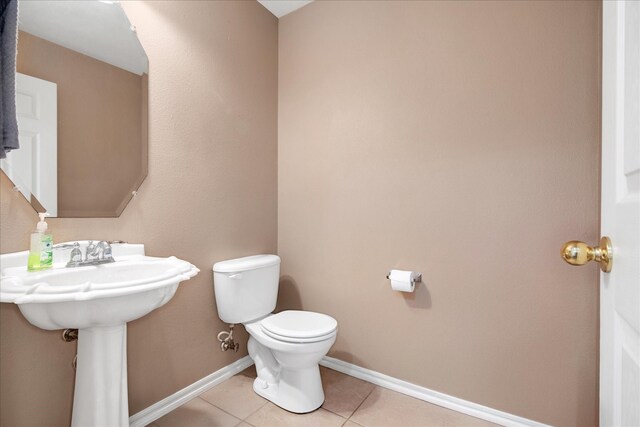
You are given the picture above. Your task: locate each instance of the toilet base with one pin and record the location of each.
(290, 379)
(299, 391)
(288, 372)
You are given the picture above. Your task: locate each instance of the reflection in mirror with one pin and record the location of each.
(82, 88)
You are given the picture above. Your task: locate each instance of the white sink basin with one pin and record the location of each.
(90, 296)
(98, 301)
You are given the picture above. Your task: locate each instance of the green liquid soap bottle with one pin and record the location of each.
(41, 250)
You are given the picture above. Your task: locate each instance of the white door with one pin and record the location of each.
(33, 168)
(620, 289)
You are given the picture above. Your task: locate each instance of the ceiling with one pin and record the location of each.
(282, 7)
(99, 29)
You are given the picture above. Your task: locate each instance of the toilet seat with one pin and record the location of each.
(294, 340)
(297, 326)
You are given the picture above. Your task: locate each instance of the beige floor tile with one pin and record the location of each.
(244, 424)
(235, 396)
(343, 393)
(351, 424)
(197, 413)
(271, 415)
(385, 408)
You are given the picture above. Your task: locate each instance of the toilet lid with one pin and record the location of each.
(301, 325)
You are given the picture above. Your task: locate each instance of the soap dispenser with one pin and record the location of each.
(41, 250)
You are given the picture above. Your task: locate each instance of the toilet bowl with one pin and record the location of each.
(286, 347)
(287, 363)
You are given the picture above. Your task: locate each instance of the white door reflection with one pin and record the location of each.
(33, 167)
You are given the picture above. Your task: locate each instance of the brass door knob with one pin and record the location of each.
(579, 253)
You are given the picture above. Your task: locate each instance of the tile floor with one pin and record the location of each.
(349, 402)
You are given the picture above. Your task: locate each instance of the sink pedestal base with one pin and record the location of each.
(100, 396)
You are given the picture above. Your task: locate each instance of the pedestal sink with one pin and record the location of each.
(98, 301)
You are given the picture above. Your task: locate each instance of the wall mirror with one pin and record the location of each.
(82, 101)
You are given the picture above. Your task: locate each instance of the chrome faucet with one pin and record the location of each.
(95, 254)
(75, 258)
(91, 253)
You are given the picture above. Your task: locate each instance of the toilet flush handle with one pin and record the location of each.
(235, 276)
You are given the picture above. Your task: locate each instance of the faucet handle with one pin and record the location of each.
(90, 251)
(75, 258)
(106, 251)
(76, 253)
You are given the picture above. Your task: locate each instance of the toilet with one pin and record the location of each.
(286, 347)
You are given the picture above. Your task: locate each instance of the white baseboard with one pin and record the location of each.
(168, 404)
(431, 396)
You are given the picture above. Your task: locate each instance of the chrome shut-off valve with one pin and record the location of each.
(226, 340)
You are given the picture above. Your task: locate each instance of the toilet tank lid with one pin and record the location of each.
(246, 263)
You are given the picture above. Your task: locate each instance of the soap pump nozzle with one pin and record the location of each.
(42, 225)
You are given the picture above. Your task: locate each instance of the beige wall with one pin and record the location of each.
(211, 194)
(100, 126)
(461, 140)
(456, 139)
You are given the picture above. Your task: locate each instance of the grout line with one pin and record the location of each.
(227, 412)
(358, 407)
(217, 407)
(261, 406)
(334, 413)
(353, 422)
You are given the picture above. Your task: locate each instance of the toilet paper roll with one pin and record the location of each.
(403, 281)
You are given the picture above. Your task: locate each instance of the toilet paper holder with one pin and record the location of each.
(414, 280)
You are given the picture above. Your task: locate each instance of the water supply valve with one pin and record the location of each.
(226, 340)
(69, 335)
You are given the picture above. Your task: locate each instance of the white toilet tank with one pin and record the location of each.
(246, 288)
